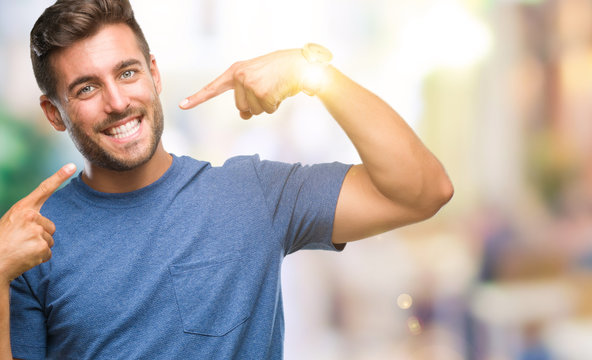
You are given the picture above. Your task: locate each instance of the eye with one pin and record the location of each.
(128, 74)
(86, 90)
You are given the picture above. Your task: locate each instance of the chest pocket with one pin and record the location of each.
(212, 296)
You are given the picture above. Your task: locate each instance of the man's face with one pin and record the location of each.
(108, 99)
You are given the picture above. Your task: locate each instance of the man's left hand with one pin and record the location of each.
(259, 84)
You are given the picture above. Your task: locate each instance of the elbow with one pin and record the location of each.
(446, 191)
(437, 194)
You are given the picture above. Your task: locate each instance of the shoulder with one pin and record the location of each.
(187, 162)
(253, 164)
(242, 161)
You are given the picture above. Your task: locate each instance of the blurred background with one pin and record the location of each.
(499, 90)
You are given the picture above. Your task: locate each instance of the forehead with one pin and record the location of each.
(96, 55)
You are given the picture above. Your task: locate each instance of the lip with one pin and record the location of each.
(123, 122)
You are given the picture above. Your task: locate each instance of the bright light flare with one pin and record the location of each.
(314, 78)
(404, 301)
(414, 325)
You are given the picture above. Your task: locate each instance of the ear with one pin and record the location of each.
(52, 113)
(155, 74)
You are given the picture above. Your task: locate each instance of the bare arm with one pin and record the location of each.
(4, 322)
(399, 181)
(25, 242)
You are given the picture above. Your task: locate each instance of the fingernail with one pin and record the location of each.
(70, 168)
(184, 102)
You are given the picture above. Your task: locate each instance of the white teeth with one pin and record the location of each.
(124, 130)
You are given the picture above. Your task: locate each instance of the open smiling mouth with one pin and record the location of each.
(123, 131)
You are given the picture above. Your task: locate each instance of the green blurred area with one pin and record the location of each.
(24, 153)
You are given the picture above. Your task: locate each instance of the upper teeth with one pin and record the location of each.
(124, 130)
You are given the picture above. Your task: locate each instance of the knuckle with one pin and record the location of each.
(48, 255)
(263, 94)
(41, 247)
(256, 111)
(35, 248)
(251, 83)
(242, 104)
(270, 109)
(39, 230)
(44, 187)
(34, 230)
(269, 104)
(29, 215)
(240, 75)
(13, 217)
(52, 227)
(237, 65)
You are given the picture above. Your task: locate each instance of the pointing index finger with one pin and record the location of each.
(37, 197)
(220, 85)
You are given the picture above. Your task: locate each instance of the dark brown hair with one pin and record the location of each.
(68, 21)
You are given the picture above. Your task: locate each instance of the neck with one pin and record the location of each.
(111, 181)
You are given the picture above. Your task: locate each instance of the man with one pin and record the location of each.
(155, 256)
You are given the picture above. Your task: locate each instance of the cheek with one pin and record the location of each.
(84, 116)
(146, 92)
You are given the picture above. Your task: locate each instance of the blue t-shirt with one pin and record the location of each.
(185, 268)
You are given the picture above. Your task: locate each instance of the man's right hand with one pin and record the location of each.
(26, 237)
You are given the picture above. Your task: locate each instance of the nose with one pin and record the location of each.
(115, 98)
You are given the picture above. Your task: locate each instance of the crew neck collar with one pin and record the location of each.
(125, 199)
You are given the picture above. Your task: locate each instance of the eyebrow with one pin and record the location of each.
(127, 63)
(85, 78)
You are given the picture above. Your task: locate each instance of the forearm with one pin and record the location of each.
(399, 165)
(5, 351)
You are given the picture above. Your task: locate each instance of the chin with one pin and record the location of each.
(127, 163)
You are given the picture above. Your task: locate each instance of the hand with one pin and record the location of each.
(26, 235)
(259, 84)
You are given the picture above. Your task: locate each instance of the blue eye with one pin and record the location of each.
(128, 74)
(87, 89)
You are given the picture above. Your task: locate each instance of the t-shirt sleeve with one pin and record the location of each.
(27, 322)
(302, 201)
